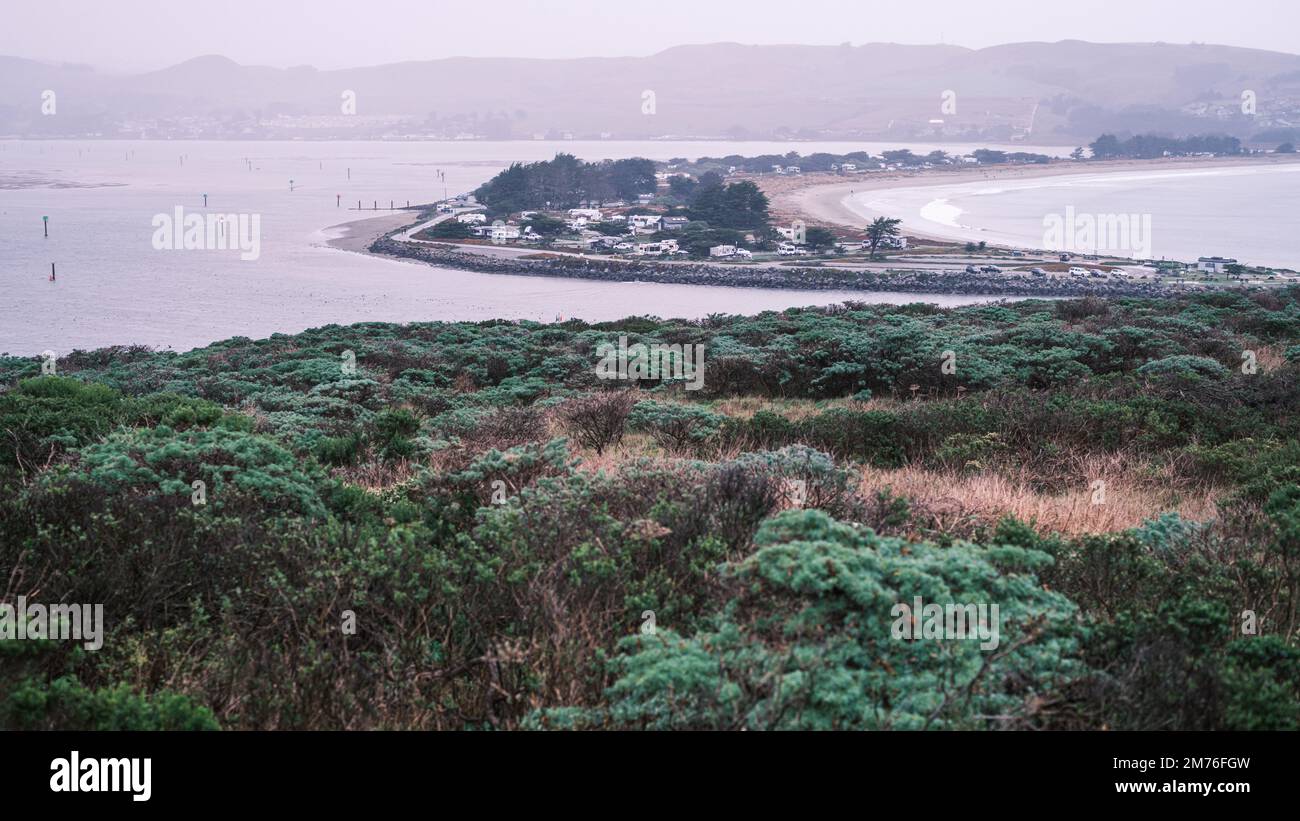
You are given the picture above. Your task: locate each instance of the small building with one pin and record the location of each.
(472, 219)
(1215, 265)
(674, 223)
(645, 223)
(591, 214)
(498, 232)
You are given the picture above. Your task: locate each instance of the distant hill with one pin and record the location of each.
(1065, 92)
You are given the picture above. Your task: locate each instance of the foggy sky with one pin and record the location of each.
(135, 35)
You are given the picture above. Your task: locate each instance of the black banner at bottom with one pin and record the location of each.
(135, 772)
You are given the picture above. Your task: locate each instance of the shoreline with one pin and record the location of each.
(358, 235)
(820, 199)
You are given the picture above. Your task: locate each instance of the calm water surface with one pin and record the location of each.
(113, 287)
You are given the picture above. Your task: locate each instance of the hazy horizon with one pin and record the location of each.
(144, 35)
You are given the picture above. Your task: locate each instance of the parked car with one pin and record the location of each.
(971, 269)
(1038, 272)
(991, 269)
(1076, 271)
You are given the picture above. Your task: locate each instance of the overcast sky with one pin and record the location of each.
(147, 34)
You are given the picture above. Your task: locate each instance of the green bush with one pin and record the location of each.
(676, 428)
(868, 436)
(67, 704)
(808, 642)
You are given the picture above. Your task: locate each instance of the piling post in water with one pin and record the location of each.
(290, 185)
(205, 200)
(338, 200)
(51, 272)
(46, 222)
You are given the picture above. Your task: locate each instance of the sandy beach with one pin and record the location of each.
(821, 199)
(358, 234)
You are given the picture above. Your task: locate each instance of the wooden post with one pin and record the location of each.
(46, 222)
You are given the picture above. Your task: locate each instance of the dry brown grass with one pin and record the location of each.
(1136, 489)
(1133, 494)
(642, 446)
(793, 409)
(376, 476)
(1268, 357)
